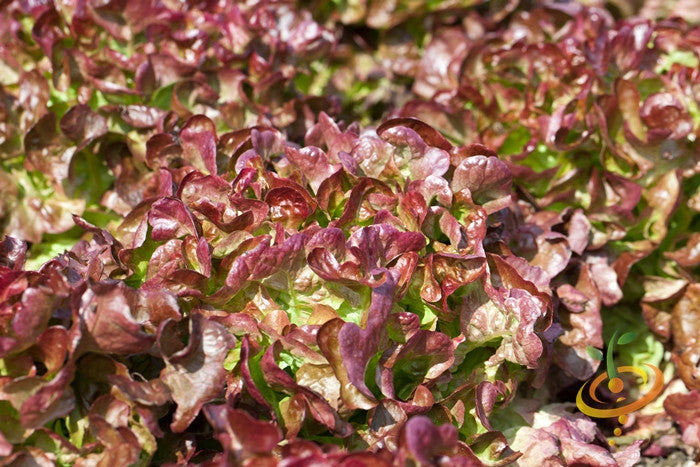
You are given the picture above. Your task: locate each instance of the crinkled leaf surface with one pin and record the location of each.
(348, 232)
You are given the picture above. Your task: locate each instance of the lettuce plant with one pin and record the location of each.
(284, 233)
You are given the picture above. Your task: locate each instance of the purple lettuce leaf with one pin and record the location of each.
(423, 440)
(169, 218)
(314, 403)
(683, 409)
(356, 358)
(313, 163)
(106, 317)
(330, 345)
(509, 314)
(684, 321)
(425, 356)
(13, 253)
(243, 437)
(194, 372)
(488, 179)
(25, 319)
(582, 326)
(82, 125)
(562, 438)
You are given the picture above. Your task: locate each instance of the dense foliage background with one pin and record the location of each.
(345, 232)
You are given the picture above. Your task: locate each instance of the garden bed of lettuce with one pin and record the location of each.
(345, 233)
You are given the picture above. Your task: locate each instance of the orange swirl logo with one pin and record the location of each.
(616, 385)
